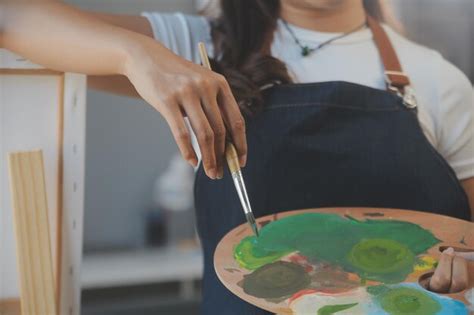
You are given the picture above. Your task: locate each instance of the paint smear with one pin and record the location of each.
(374, 214)
(425, 263)
(367, 247)
(470, 298)
(331, 309)
(330, 278)
(381, 259)
(412, 299)
(406, 300)
(276, 280)
(352, 302)
(398, 299)
(252, 256)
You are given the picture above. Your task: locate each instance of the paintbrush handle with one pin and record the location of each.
(232, 157)
(230, 152)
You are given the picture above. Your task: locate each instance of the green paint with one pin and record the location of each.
(331, 309)
(377, 289)
(381, 259)
(276, 280)
(331, 238)
(251, 256)
(405, 301)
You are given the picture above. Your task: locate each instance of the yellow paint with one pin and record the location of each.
(425, 263)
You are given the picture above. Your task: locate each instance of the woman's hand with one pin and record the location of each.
(172, 85)
(452, 273)
(176, 88)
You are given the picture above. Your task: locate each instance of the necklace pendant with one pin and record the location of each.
(305, 51)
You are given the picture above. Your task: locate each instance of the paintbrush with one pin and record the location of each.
(233, 161)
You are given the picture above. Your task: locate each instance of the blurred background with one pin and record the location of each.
(141, 255)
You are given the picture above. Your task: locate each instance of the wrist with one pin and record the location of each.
(137, 48)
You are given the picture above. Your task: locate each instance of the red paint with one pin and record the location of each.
(301, 293)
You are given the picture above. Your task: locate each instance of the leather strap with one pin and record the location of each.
(394, 75)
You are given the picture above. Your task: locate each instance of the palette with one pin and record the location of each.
(344, 261)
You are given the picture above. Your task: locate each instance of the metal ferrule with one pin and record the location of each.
(244, 200)
(242, 191)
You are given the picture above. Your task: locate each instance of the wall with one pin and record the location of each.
(446, 26)
(128, 144)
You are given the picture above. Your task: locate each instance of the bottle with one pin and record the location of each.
(173, 195)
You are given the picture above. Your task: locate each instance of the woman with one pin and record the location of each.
(335, 117)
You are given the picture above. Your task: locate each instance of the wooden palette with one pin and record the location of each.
(322, 297)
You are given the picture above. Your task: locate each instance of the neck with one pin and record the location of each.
(343, 18)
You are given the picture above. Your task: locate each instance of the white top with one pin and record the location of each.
(445, 95)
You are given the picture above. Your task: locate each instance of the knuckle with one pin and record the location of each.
(439, 282)
(238, 125)
(221, 79)
(184, 80)
(459, 284)
(182, 134)
(220, 132)
(184, 89)
(188, 155)
(183, 85)
(169, 98)
(206, 137)
(204, 83)
(207, 163)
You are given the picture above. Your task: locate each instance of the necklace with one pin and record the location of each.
(306, 50)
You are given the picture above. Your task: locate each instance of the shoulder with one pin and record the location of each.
(421, 63)
(438, 82)
(180, 32)
(446, 94)
(425, 63)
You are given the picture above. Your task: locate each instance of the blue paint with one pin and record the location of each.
(448, 305)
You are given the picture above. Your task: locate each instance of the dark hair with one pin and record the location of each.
(242, 37)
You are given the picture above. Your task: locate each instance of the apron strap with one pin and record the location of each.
(395, 78)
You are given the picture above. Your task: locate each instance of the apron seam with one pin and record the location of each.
(439, 158)
(310, 104)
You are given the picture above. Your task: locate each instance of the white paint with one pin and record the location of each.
(470, 298)
(310, 303)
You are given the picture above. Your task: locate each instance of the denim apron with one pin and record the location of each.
(329, 144)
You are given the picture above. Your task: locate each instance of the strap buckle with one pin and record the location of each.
(405, 92)
(389, 73)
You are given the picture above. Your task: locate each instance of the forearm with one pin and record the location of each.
(61, 37)
(116, 84)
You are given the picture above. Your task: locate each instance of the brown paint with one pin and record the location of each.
(374, 214)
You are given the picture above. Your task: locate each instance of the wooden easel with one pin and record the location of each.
(35, 265)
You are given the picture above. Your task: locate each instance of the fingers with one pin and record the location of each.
(234, 120)
(460, 275)
(181, 134)
(204, 134)
(206, 99)
(452, 273)
(466, 255)
(441, 280)
(213, 114)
